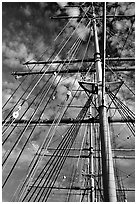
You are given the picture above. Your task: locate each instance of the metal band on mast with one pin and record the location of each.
(109, 188)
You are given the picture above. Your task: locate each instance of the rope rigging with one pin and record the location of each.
(66, 141)
(45, 141)
(124, 111)
(15, 163)
(44, 169)
(129, 112)
(41, 56)
(60, 50)
(77, 164)
(118, 77)
(31, 91)
(17, 141)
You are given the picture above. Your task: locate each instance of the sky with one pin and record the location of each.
(27, 31)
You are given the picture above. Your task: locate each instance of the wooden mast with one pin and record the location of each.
(109, 188)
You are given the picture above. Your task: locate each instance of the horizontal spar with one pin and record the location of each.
(66, 121)
(91, 17)
(78, 60)
(75, 188)
(85, 156)
(61, 188)
(88, 149)
(72, 71)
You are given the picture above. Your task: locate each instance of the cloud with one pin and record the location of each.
(27, 32)
(15, 53)
(62, 4)
(82, 31)
(73, 11)
(27, 10)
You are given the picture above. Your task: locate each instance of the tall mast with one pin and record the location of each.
(46, 179)
(91, 158)
(109, 188)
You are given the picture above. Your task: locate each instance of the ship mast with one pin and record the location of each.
(107, 171)
(109, 188)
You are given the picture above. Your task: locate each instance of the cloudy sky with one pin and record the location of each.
(27, 32)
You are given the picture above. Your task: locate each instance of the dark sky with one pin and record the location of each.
(27, 31)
